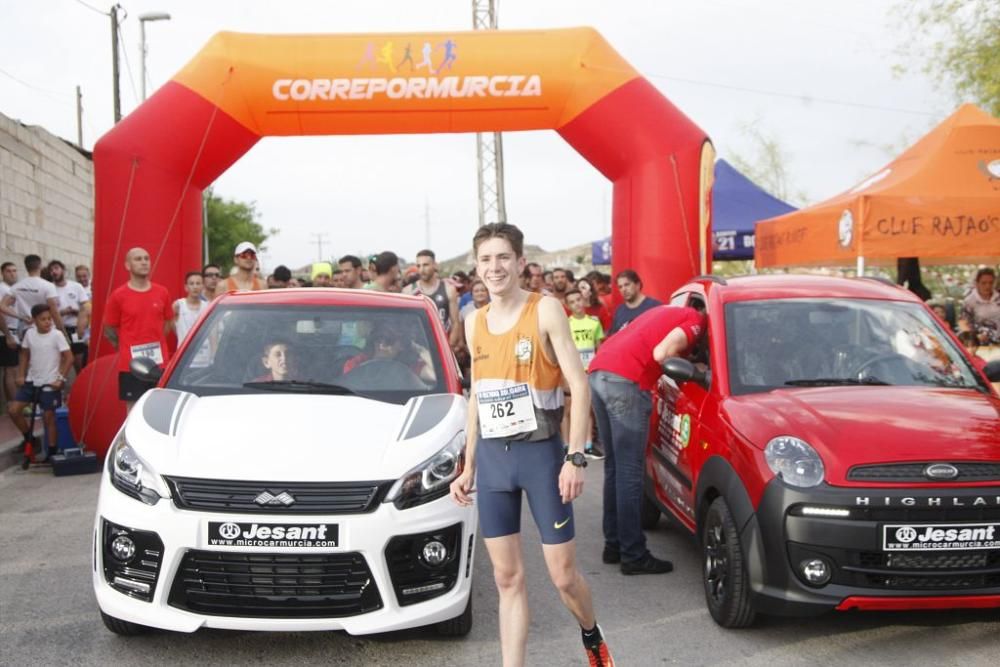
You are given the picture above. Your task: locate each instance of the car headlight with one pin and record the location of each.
(131, 476)
(794, 461)
(431, 479)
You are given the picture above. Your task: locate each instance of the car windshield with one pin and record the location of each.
(387, 354)
(824, 342)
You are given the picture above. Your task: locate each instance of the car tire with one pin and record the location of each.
(123, 628)
(725, 578)
(650, 513)
(458, 626)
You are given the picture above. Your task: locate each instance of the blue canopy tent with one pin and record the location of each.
(737, 204)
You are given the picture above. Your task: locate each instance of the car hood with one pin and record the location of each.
(297, 437)
(851, 426)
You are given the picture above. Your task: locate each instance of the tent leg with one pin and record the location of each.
(861, 266)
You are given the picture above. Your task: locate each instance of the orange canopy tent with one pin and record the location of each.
(939, 201)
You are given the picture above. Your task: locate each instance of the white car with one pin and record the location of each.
(290, 472)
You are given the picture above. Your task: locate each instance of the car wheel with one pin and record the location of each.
(650, 513)
(458, 626)
(123, 628)
(727, 586)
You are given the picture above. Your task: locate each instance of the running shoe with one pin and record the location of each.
(598, 653)
(593, 452)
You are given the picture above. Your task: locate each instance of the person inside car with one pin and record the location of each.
(386, 342)
(277, 360)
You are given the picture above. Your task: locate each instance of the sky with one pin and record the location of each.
(817, 77)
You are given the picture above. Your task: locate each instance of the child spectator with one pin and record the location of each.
(587, 335)
(187, 310)
(41, 374)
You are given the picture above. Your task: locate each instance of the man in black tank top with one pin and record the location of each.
(444, 296)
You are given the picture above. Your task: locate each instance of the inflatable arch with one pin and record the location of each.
(151, 168)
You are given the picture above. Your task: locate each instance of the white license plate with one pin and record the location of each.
(255, 534)
(940, 536)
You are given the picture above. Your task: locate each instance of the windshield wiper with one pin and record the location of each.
(305, 386)
(825, 382)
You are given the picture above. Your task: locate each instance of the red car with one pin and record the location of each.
(833, 446)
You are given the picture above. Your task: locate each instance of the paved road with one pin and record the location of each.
(48, 615)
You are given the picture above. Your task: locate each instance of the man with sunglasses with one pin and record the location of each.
(210, 276)
(245, 261)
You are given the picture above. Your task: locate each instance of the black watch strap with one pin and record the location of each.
(577, 459)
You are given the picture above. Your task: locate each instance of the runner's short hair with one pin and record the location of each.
(384, 261)
(188, 275)
(350, 259)
(40, 308)
(631, 275)
(3, 267)
(501, 230)
(56, 262)
(32, 262)
(985, 271)
(282, 273)
(570, 292)
(427, 253)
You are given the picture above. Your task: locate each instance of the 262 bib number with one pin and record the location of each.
(506, 412)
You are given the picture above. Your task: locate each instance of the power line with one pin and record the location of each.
(33, 87)
(93, 8)
(793, 96)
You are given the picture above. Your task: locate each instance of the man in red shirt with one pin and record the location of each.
(622, 374)
(137, 319)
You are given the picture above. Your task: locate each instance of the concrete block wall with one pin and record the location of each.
(46, 197)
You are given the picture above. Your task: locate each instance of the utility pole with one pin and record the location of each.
(114, 62)
(320, 238)
(489, 146)
(79, 118)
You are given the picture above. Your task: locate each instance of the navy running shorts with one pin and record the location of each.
(503, 470)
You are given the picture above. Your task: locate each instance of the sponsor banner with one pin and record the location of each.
(940, 537)
(253, 534)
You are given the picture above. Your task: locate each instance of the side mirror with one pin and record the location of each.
(145, 369)
(992, 371)
(681, 370)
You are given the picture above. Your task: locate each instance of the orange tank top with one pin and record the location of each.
(517, 356)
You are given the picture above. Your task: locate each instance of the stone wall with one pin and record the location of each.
(46, 197)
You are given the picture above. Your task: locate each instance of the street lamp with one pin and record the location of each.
(148, 16)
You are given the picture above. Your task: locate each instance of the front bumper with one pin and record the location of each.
(864, 576)
(363, 538)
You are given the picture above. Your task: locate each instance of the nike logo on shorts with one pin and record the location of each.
(559, 524)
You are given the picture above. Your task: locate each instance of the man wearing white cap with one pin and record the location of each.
(244, 280)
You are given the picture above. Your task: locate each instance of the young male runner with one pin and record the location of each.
(521, 350)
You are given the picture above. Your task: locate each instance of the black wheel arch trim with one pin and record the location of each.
(718, 474)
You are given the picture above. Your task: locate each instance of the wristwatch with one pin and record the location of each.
(577, 459)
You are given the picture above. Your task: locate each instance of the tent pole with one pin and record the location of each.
(861, 266)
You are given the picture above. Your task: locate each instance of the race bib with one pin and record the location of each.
(148, 350)
(506, 412)
(586, 356)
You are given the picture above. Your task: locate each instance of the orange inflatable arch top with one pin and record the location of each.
(151, 168)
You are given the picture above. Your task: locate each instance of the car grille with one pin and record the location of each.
(952, 570)
(937, 582)
(914, 472)
(263, 585)
(956, 560)
(225, 495)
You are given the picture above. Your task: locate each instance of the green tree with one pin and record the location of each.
(958, 43)
(230, 222)
(766, 164)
